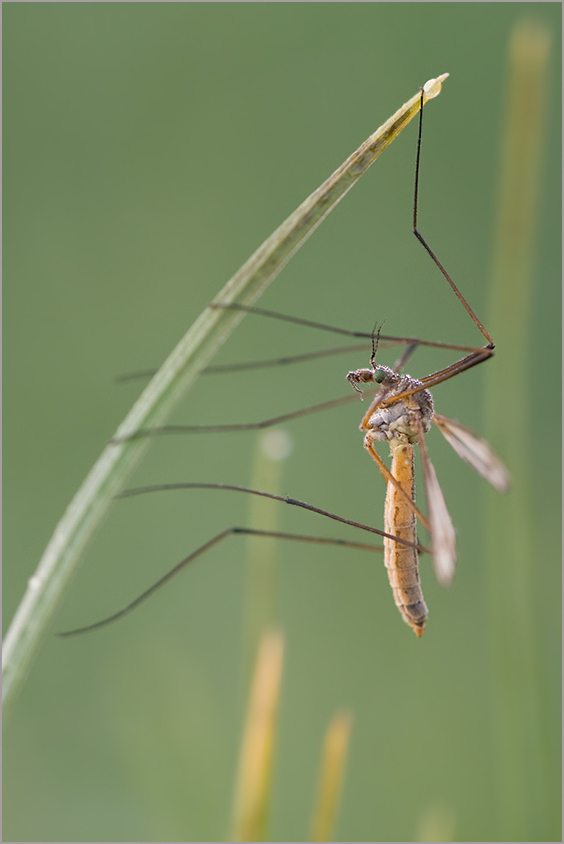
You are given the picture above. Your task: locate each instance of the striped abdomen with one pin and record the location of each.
(401, 561)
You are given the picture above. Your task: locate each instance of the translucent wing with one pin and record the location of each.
(442, 530)
(475, 451)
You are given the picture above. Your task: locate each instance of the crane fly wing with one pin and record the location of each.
(442, 530)
(475, 451)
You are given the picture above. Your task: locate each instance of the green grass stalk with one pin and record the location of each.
(260, 603)
(522, 792)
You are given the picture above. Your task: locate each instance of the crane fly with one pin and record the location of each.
(401, 413)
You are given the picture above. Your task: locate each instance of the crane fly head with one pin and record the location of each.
(376, 374)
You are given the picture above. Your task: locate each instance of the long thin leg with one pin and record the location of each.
(234, 306)
(442, 375)
(129, 493)
(285, 360)
(477, 355)
(201, 550)
(401, 361)
(424, 243)
(249, 426)
(455, 368)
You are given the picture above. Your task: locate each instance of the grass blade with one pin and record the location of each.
(331, 777)
(254, 775)
(520, 742)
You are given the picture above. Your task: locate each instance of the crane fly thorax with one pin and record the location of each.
(401, 420)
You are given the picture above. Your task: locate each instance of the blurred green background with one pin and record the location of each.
(148, 150)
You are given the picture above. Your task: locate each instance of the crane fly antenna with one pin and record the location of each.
(375, 341)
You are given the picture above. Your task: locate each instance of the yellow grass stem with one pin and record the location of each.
(437, 823)
(254, 773)
(331, 777)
